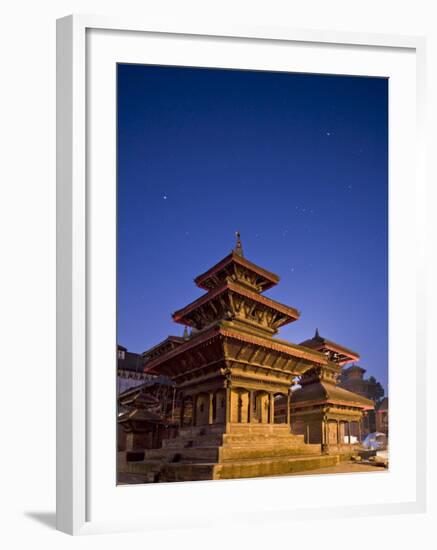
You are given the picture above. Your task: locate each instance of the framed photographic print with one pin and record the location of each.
(239, 258)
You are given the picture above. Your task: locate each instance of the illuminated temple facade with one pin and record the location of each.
(234, 381)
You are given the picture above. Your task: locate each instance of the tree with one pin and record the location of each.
(376, 391)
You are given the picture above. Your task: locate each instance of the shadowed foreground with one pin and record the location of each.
(341, 468)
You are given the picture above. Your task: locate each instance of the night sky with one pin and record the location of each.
(297, 163)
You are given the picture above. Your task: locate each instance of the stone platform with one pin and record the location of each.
(230, 452)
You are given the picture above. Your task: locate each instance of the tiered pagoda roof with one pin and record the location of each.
(233, 345)
(336, 352)
(235, 267)
(233, 300)
(163, 347)
(235, 287)
(233, 323)
(319, 384)
(324, 392)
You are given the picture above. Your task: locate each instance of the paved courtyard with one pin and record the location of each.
(341, 468)
(344, 468)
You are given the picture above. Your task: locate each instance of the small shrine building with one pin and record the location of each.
(321, 410)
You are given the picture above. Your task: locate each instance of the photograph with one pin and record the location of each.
(219, 228)
(252, 274)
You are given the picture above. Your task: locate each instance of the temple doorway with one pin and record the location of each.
(261, 407)
(202, 409)
(239, 405)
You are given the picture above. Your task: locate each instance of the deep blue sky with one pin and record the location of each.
(297, 163)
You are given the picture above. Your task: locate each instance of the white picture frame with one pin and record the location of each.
(76, 203)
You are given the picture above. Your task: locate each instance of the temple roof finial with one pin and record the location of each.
(238, 247)
(317, 335)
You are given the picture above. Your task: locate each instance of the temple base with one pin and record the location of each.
(228, 452)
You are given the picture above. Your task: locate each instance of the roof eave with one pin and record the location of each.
(272, 278)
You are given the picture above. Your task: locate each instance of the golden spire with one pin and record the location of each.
(238, 247)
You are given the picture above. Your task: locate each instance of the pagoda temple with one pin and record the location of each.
(321, 410)
(230, 370)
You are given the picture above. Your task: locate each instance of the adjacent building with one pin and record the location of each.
(352, 378)
(381, 416)
(130, 370)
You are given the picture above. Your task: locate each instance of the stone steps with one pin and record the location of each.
(230, 452)
(245, 468)
(204, 454)
(233, 439)
(259, 439)
(269, 467)
(186, 442)
(267, 451)
(243, 451)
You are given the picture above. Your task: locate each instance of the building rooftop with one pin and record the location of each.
(177, 360)
(354, 368)
(288, 314)
(337, 353)
(128, 360)
(326, 392)
(163, 347)
(237, 268)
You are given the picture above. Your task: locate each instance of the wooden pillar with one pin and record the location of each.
(228, 404)
(338, 432)
(193, 409)
(250, 411)
(288, 407)
(349, 432)
(239, 407)
(211, 408)
(271, 408)
(359, 431)
(130, 441)
(308, 433)
(173, 403)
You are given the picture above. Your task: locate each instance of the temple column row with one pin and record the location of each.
(340, 440)
(209, 403)
(252, 406)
